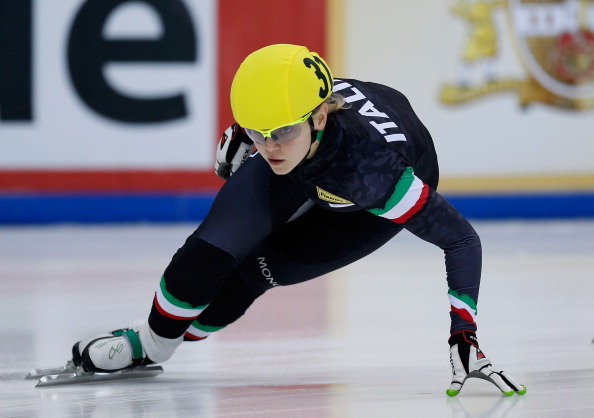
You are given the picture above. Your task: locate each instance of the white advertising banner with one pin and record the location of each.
(109, 84)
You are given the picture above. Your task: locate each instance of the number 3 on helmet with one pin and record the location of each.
(277, 85)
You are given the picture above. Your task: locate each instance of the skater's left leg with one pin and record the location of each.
(315, 244)
(234, 298)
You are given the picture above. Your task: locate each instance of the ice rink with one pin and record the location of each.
(365, 341)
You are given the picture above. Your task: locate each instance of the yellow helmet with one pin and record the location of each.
(277, 85)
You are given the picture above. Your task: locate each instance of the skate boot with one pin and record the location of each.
(112, 352)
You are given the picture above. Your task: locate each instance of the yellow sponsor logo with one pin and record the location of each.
(329, 197)
(553, 39)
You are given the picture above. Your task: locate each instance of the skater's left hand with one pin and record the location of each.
(468, 361)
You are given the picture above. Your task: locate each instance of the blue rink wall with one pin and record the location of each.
(24, 209)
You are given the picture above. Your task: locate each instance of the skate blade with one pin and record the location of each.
(37, 373)
(75, 378)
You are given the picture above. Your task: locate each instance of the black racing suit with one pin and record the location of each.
(374, 173)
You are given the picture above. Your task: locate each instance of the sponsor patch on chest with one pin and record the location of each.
(332, 198)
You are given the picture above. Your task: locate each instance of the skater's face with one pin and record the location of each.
(283, 157)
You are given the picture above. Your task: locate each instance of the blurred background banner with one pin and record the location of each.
(110, 109)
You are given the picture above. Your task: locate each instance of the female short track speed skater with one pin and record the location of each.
(341, 167)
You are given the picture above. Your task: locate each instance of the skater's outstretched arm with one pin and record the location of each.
(441, 224)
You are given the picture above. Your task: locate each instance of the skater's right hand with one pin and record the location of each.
(233, 149)
(468, 361)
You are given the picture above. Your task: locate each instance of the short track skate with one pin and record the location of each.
(73, 375)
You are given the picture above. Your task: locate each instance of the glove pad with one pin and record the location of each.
(233, 149)
(468, 361)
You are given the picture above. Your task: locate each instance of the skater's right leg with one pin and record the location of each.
(241, 216)
(189, 283)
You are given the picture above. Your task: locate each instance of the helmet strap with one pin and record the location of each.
(315, 143)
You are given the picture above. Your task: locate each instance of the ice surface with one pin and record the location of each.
(369, 340)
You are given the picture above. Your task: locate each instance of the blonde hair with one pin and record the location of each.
(335, 103)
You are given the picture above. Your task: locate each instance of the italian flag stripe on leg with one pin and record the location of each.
(174, 308)
(409, 197)
(463, 305)
(198, 331)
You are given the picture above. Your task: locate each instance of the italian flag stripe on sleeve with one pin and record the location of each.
(409, 197)
(174, 308)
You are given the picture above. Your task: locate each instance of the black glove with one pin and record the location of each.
(468, 361)
(233, 149)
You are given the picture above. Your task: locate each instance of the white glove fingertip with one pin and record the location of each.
(510, 381)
